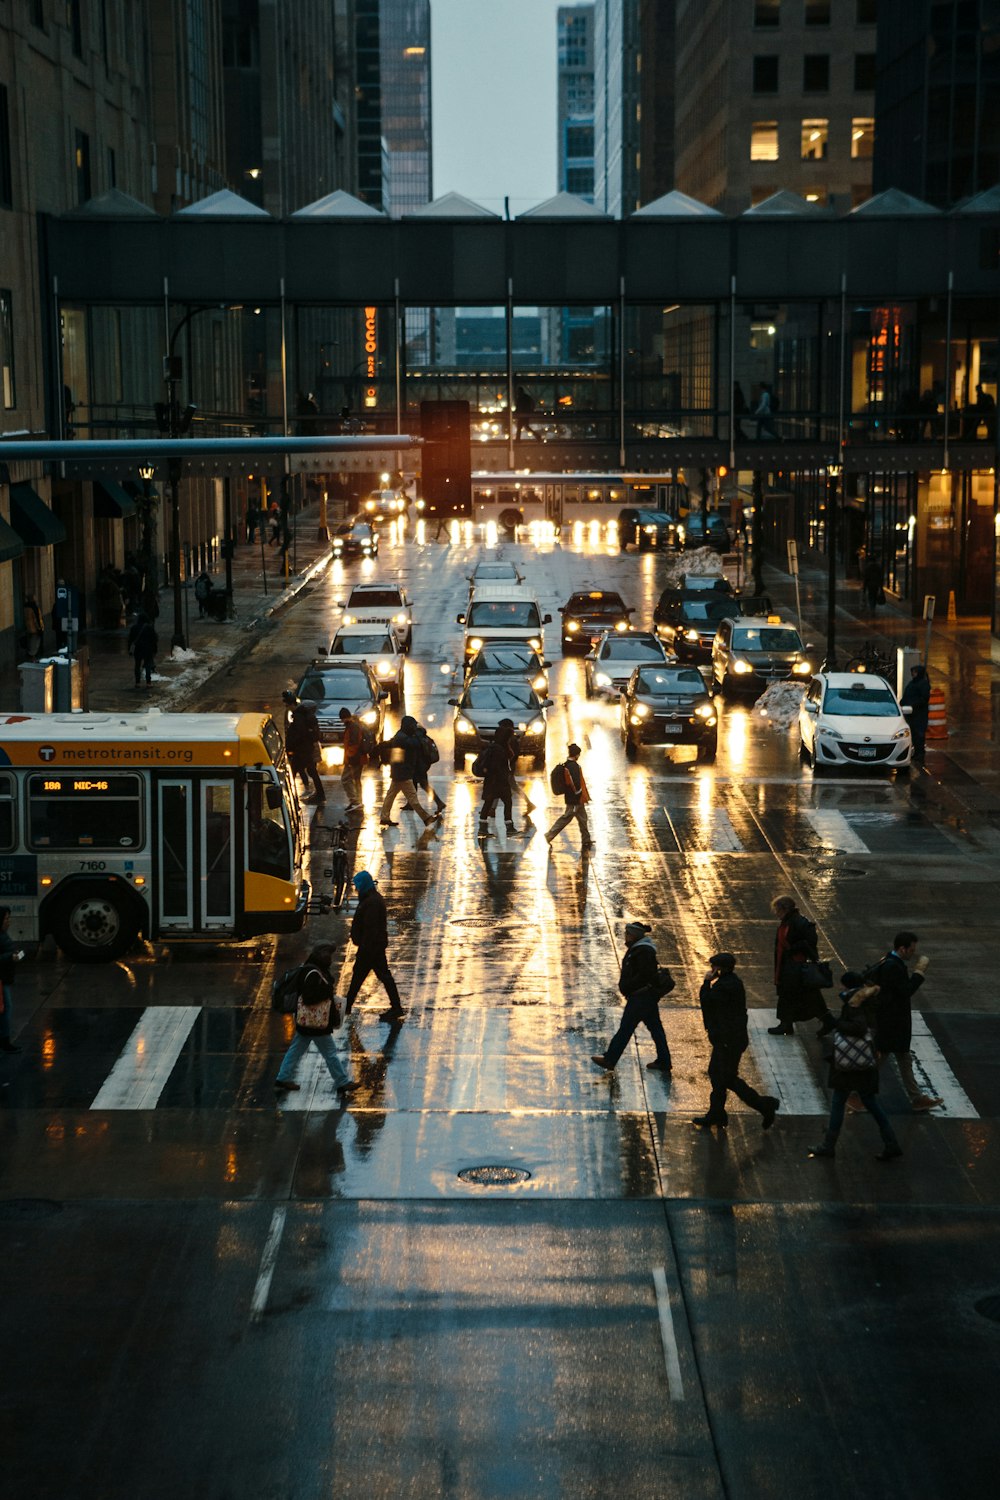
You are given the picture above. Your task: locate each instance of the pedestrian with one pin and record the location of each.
(34, 627)
(642, 984)
(273, 524)
(800, 998)
(143, 643)
(403, 754)
(494, 758)
(202, 592)
(428, 755)
(917, 698)
(724, 1012)
(576, 795)
(524, 405)
(354, 758)
(516, 788)
(764, 412)
(9, 956)
(370, 935)
(740, 410)
(894, 1018)
(304, 746)
(854, 1068)
(793, 927)
(871, 583)
(317, 1015)
(986, 408)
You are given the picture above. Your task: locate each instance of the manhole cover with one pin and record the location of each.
(29, 1208)
(989, 1307)
(492, 922)
(494, 1176)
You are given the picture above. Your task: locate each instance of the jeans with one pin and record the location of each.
(403, 789)
(351, 781)
(639, 1012)
(368, 962)
(838, 1104)
(724, 1076)
(325, 1047)
(575, 810)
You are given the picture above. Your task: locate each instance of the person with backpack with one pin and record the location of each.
(317, 1015)
(567, 780)
(854, 1067)
(143, 644)
(516, 789)
(800, 992)
(724, 1013)
(494, 763)
(793, 927)
(370, 935)
(427, 756)
(354, 758)
(403, 753)
(894, 1017)
(643, 982)
(304, 746)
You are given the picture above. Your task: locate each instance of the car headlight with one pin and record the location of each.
(830, 734)
(649, 530)
(473, 645)
(572, 626)
(641, 710)
(691, 635)
(802, 668)
(602, 679)
(350, 619)
(535, 643)
(537, 726)
(338, 545)
(463, 726)
(371, 717)
(706, 711)
(539, 684)
(621, 625)
(385, 669)
(399, 619)
(635, 718)
(901, 734)
(741, 668)
(370, 506)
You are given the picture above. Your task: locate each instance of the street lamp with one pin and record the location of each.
(832, 491)
(147, 511)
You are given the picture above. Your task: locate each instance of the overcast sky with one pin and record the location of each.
(493, 82)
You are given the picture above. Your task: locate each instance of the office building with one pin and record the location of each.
(575, 107)
(617, 111)
(393, 78)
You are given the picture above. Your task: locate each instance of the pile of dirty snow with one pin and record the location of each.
(779, 703)
(704, 562)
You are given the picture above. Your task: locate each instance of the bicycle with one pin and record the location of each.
(339, 869)
(870, 659)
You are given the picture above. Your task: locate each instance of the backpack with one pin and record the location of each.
(664, 981)
(557, 778)
(285, 991)
(481, 764)
(429, 752)
(315, 1015)
(368, 745)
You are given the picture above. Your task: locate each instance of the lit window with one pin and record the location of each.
(816, 195)
(764, 141)
(862, 137)
(815, 135)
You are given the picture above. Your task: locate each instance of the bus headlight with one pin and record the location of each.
(371, 717)
(350, 619)
(475, 644)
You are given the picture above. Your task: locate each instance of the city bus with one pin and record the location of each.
(569, 497)
(115, 827)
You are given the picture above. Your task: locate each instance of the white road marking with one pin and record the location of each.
(671, 1357)
(784, 1066)
(933, 1072)
(835, 831)
(146, 1061)
(268, 1260)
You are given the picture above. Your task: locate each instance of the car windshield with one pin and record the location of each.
(504, 615)
(337, 687)
(362, 645)
(518, 659)
(709, 609)
(595, 604)
(628, 648)
(860, 702)
(766, 638)
(686, 681)
(374, 599)
(494, 571)
(487, 695)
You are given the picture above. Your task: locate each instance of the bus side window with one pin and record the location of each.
(6, 812)
(268, 851)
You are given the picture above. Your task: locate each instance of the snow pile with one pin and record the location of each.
(779, 703)
(705, 562)
(181, 653)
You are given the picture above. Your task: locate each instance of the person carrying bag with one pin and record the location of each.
(317, 1016)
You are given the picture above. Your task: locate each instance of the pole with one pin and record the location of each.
(230, 543)
(929, 603)
(833, 477)
(174, 474)
(758, 532)
(793, 568)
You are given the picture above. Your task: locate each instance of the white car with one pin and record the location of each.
(853, 719)
(382, 604)
(615, 657)
(376, 646)
(493, 570)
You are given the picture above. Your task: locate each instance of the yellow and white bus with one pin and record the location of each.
(155, 825)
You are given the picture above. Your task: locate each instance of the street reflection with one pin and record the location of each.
(735, 731)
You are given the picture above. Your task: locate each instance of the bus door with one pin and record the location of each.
(553, 504)
(195, 875)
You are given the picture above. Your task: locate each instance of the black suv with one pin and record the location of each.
(688, 624)
(589, 613)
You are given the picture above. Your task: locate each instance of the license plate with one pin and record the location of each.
(867, 752)
(673, 729)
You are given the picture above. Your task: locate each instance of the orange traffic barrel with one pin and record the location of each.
(937, 722)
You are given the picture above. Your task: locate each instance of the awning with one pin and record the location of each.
(31, 518)
(11, 545)
(111, 502)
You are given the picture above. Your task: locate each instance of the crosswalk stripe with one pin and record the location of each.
(785, 1067)
(933, 1072)
(147, 1060)
(835, 831)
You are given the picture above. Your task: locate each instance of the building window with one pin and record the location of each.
(112, 168)
(864, 72)
(8, 390)
(764, 141)
(816, 73)
(862, 138)
(866, 12)
(82, 162)
(765, 75)
(6, 173)
(74, 20)
(767, 12)
(815, 135)
(817, 12)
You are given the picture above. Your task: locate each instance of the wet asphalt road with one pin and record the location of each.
(219, 1296)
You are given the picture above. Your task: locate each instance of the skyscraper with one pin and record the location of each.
(617, 74)
(576, 100)
(393, 63)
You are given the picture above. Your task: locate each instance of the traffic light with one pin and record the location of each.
(446, 458)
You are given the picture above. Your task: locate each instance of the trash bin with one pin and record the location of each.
(36, 687)
(906, 657)
(215, 604)
(69, 693)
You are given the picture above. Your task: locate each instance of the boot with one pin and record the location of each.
(827, 1146)
(780, 1030)
(890, 1149)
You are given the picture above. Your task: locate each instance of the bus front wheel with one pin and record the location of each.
(95, 924)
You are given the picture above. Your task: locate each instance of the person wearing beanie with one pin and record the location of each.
(315, 1026)
(405, 755)
(640, 983)
(370, 935)
(577, 797)
(304, 746)
(724, 1012)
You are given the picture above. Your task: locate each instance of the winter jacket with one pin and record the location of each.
(798, 1001)
(316, 986)
(639, 971)
(917, 697)
(795, 928)
(855, 1021)
(496, 782)
(576, 787)
(369, 929)
(404, 756)
(142, 640)
(724, 1011)
(893, 1019)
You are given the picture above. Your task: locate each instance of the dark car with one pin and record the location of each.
(510, 659)
(712, 532)
(646, 530)
(667, 705)
(487, 700)
(589, 613)
(329, 689)
(354, 539)
(688, 624)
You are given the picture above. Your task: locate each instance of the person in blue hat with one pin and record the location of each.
(370, 935)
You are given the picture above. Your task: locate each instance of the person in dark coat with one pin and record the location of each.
(405, 756)
(793, 927)
(10, 955)
(724, 1012)
(316, 986)
(917, 697)
(143, 644)
(894, 1018)
(798, 999)
(496, 782)
(639, 983)
(370, 935)
(427, 757)
(858, 1015)
(871, 583)
(304, 746)
(202, 592)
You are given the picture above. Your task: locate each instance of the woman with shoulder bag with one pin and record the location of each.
(800, 992)
(317, 1014)
(854, 1068)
